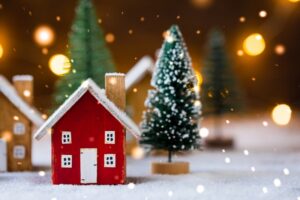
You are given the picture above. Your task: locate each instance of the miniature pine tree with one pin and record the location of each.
(219, 93)
(170, 121)
(89, 55)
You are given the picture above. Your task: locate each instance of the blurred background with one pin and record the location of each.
(134, 29)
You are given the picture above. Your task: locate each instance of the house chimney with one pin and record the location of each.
(115, 89)
(24, 86)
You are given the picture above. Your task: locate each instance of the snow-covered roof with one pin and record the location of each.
(99, 94)
(12, 95)
(138, 71)
(114, 74)
(22, 78)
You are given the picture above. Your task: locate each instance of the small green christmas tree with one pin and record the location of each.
(89, 55)
(170, 121)
(219, 93)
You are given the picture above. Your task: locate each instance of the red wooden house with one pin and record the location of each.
(88, 135)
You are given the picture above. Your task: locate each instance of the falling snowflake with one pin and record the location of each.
(265, 123)
(227, 160)
(246, 152)
(277, 182)
(131, 186)
(286, 171)
(265, 190)
(170, 193)
(42, 173)
(200, 189)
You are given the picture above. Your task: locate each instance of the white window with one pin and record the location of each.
(110, 160)
(109, 137)
(66, 137)
(19, 152)
(19, 128)
(66, 161)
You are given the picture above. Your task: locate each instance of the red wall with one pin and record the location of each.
(87, 120)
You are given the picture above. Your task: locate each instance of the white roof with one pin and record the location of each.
(99, 94)
(12, 95)
(138, 71)
(22, 78)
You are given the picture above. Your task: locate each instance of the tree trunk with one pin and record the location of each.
(218, 126)
(169, 156)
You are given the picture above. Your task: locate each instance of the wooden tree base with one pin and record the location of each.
(173, 168)
(219, 142)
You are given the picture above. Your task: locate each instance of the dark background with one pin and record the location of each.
(277, 77)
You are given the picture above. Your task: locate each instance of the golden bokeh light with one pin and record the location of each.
(44, 35)
(201, 3)
(1, 51)
(137, 153)
(60, 64)
(263, 13)
(282, 114)
(294, 1)
(279, 49)
(199, 78)
(6, 136)
(240, 52)
(242, 19)
(254, 44)
(110, 38)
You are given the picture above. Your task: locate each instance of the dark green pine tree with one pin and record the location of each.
(90, 57)
(170, 121)
(219, 92)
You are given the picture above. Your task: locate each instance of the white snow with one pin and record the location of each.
(12, 95)
(210, 178)
(22, 78)
(99, 94)
(138, 71)
(114, 74)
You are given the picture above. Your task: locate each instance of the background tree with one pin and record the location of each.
(89, 55)
(219, 92)
(170, 121)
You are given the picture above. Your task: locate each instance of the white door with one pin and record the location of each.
(3, 156)
(88, 165)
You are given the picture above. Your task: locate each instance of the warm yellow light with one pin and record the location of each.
(263, 13)
(6, 136)
(60, 64)
(26, 93)
(199, 78)
(112, 80)
(110, 38)
(1, 51)
(137, 153)
(281, 114)
(279, 49)
(254, 44)
(44, 35)
(242, 19)
(240, 52)
(294, 1)
(202, 3)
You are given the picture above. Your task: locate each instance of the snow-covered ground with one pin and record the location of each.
(270, 171)
(210, 174)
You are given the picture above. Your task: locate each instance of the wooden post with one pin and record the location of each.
(24, 86)
(115, 89)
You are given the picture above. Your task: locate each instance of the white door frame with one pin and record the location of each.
(3, 156)
(88, 165)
